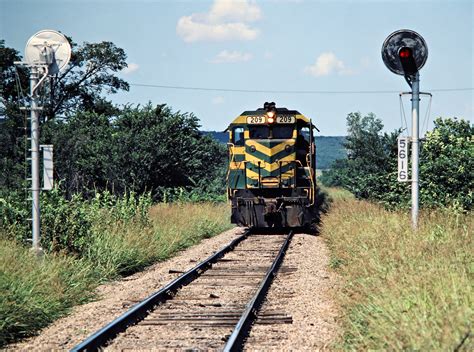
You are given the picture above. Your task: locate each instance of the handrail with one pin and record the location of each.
(231, 151)
(312, 191)
(311, 176)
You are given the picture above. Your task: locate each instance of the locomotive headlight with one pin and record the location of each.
(252, 149)
(288, 148)
(270, 111)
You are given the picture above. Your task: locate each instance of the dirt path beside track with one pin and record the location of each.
(304, 293)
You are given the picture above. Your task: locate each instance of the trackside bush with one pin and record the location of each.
(87, 242)
(447, 165)
(68, 225)
(370, 170)
(140, 149)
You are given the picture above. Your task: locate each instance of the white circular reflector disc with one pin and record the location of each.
(48, 47)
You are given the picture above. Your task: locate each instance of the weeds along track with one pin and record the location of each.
(210, 307)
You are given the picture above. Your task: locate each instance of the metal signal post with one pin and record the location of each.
(415, 108)
(404, 52)
(46, 53)
(35, 188)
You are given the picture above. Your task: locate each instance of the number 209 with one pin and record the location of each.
(255, 119)
(285, 119)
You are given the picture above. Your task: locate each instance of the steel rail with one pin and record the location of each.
(140, 310)
(242, 329)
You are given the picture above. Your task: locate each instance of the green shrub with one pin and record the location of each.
(106, 236)
(68, 225)
(14, 213)
(143, 148)
(447, 164)
(370, 170)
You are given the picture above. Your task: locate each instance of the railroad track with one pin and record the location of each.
(211, 307)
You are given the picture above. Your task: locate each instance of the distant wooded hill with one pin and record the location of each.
(328, 148)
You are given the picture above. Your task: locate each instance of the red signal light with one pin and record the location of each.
(405, 53)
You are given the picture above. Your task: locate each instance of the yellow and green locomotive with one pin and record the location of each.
(271, 179)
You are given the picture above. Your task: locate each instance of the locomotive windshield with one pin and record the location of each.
(238, 136)
(259, 132)
(282, 131)
(276, 131)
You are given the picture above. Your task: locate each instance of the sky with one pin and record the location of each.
(273, 45)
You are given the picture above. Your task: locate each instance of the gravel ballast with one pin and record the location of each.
(303, 292)
(117, 297)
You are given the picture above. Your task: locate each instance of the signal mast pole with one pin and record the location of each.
(49, 51)
(404, 52)
(415, 107)
(35, 188)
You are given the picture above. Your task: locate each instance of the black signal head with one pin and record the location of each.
(408, 62)
(404, 52)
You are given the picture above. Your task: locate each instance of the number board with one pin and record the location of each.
(403, 159)
(255, 120)
(286, 119)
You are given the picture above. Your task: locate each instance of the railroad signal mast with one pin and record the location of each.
(404, 52)
(46, 53)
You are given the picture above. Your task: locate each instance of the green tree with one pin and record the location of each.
(142, 149)
(159, 148)
(370, 170)
(371, 156)
(97, 145)
(89, 74)
(85, 151)
(447, 164)
(81, 87)
(12, 120)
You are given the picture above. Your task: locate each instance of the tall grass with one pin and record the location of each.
(402, 290)
(117, 240)
(122, 248)
(36, 290)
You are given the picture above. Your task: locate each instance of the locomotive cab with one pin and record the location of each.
(271, 176)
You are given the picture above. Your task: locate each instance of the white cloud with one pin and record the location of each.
(234, 10)
(218, 100)
(193, 31)
(231, 57)
(326, 64)
(132, 67)
(226, 20)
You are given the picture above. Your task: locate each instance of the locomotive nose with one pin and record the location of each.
(270, 163)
